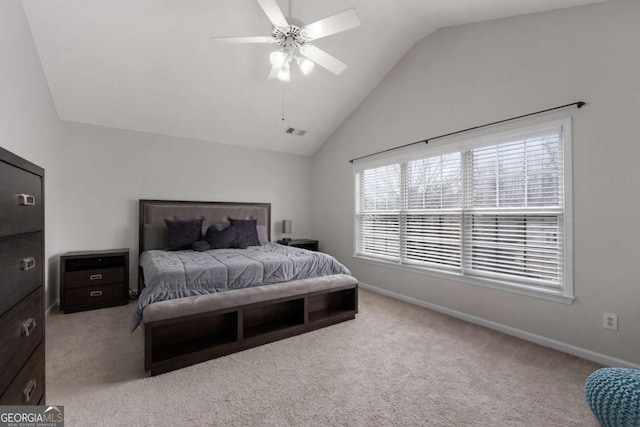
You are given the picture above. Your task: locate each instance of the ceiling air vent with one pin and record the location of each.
(293, 131)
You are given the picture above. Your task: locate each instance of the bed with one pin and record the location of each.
(194, 307)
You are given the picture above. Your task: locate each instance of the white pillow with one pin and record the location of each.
(263, 236)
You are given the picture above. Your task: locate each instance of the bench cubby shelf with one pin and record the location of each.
(182, 341)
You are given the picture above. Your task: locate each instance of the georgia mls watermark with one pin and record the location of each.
(31, 416)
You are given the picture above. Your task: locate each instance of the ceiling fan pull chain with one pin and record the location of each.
(283, 83)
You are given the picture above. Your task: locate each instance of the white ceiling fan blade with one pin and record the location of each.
(255, 39)
(273, 12)
(323, 59)
(274, 72)
(333, 24)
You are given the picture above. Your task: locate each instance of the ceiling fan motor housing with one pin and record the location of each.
(291, 36)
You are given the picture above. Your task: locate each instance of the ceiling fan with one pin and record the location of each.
(293, 39)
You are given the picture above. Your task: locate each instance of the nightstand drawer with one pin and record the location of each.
(308, 244)
(95, 294)
(79, 279)
(20, 333)
(20, 268)
(27, 387)
(21, 201)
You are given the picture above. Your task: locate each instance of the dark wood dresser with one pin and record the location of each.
(94, 279)
(22, 378)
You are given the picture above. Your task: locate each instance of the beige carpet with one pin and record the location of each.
(396, 364)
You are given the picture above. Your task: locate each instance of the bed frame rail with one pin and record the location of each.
(183, 341)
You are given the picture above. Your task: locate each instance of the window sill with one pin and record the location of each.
(550, 294)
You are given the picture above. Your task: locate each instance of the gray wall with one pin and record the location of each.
(468, 75)
(29, 124)
(106, 171)
(95, 175)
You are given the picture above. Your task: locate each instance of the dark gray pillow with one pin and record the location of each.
(220, 239)
(181, 233)
(201, 246)
(239, 244)
(247, 231)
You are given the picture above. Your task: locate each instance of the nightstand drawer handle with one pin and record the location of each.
(28, 263)
(95, 293)
(27, 394)
(28, 327)
(27, 199)
(95, 277)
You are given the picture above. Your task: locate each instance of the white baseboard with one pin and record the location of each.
(600, 358)
(55, 304)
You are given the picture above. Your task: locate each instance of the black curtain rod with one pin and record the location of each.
(578, 104)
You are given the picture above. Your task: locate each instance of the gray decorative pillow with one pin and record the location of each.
(182, 233)
(220, 239)
(239, 244)
(201, 246)
(246, 229)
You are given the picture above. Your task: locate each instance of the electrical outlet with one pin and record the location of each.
(610, 321)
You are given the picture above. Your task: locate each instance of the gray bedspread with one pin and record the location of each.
(170, 275)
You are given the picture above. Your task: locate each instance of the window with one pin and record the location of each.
(493, 210)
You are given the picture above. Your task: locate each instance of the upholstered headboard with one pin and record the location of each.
(153, 213)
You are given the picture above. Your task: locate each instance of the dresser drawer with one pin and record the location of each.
(94, 294)
(20, 214)
(20, 268)
(27, 387)
(21, 330)
(78, 279)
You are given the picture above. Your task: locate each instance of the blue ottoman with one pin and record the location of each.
(613, 394)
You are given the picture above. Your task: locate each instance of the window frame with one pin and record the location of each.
(564, 294)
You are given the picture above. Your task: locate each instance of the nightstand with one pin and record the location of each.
(312, 245)
(94, 279)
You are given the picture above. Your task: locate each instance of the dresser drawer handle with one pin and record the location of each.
(95, 293)
(28, 327)
(28, 263)
(95, 277)
(27, 199)
(27, 394)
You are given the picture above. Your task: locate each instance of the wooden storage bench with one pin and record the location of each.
(191, 330)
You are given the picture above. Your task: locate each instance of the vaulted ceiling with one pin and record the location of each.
(150, 65)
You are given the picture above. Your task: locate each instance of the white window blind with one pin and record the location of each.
(492, 208)
(513, 217)
(379, 211)
(433, 213)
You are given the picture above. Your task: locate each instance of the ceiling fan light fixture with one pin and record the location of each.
(278, 58)
(306, 65)
(285, 73)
